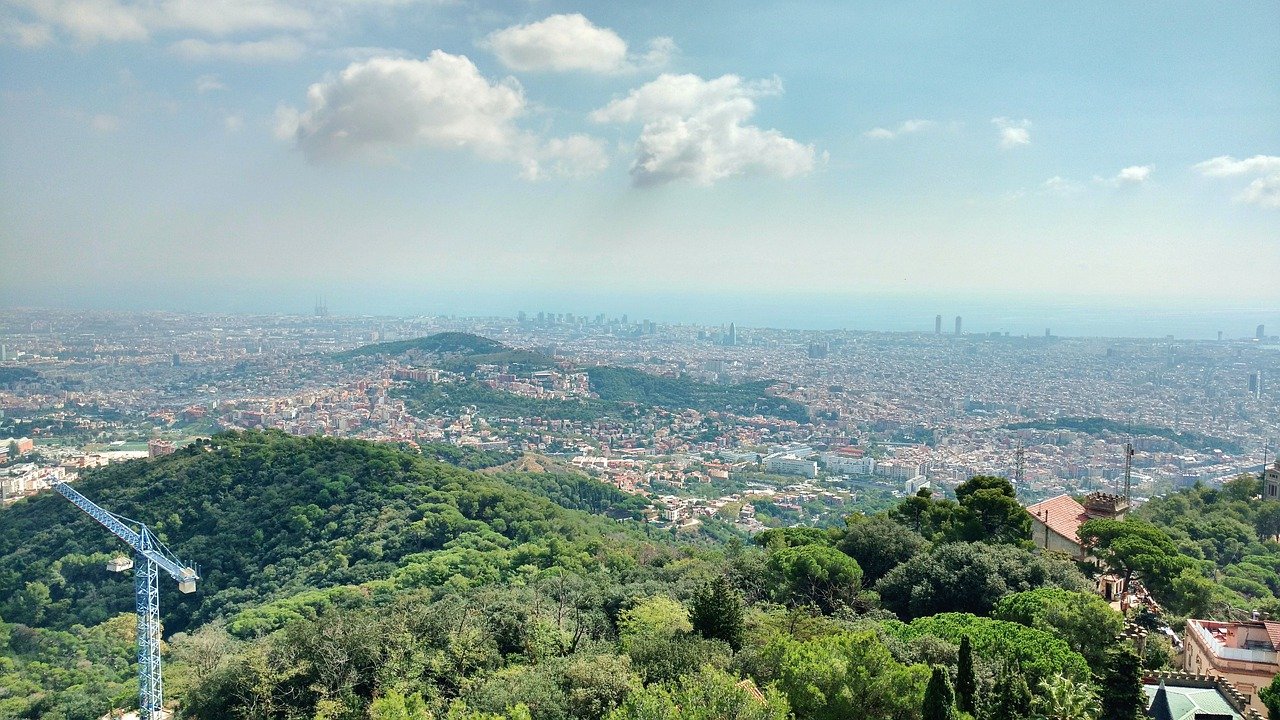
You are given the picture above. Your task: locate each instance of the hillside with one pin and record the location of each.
(625, 385)
(362, 582)
(456, 352)
(447, 343)
(266, 515)
(1098, 426)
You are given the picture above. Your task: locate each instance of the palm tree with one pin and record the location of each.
(1062, 698)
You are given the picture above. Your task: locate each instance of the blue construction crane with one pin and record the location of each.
(150, 556)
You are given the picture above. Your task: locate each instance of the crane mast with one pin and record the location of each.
(150, 557)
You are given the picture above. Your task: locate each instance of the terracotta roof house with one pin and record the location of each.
(1055, 523)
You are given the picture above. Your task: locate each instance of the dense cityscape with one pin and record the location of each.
(884, 413)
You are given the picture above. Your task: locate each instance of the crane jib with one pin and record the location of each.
(151, 558)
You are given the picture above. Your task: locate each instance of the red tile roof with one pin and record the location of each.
(1273, 632)
(1062, 514)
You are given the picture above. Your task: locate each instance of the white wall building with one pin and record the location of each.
(791, 465)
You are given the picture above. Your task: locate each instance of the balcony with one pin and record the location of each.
(1222, 652)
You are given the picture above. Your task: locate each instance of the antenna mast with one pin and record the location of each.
(1128, 470)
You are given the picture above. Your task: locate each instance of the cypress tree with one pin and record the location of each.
(966, 680)
(1011, 697)
(939, 701)
(717, 612)
(1121, 681)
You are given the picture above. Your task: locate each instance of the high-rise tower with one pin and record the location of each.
(957, 324)
(937, 325)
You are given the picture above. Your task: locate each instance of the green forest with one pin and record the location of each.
(622, 391)
(1096, 426)
(446, 343)
(625, 385)
(618, 388)
(345, 580)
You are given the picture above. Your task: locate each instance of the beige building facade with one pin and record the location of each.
(1244, 653)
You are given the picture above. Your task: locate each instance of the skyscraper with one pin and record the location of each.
(937, 325)
(1261, 333)
(733, 335)
(957, 324)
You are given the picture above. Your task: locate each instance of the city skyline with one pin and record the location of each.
(167, 156)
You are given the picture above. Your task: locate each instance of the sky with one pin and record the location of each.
(403, 156)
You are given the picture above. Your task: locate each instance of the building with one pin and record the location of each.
(1055, 523)
(849, 461)
(1271, 482)
(957, 324)
(18, 446)
(1261, 332)
(937, 325)
(916, 484)
(159, 448)
(791, 465)
(1242, 652)
(1182, 696)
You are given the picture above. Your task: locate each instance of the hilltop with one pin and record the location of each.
(454, 351)
(266, 515)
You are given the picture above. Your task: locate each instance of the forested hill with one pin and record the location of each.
(456, 352)
(494, 604)
(447, 343)
(265, 515)
(619, 385)
(462, 352)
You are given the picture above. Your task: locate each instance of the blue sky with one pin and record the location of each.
(400, 155)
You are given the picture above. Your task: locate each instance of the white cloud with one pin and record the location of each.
(278, 49)
(104, 123)
(25, 35)
(574, 156)
(378, 107)
(1013, 133)
(90, 21)
(1263, 191)
(233, 123)
(209, 83)
(562, 43)
(1058, 185)
(906, 127)
(1226, 166)
(694, 129)
(1134, 174)
(659, 54)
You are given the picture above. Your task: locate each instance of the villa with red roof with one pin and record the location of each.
(1055, 523)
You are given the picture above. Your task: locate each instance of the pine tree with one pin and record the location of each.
(717, 612)
(1270, 697)
(1121, 681)
(939, 701)
(966, 680)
